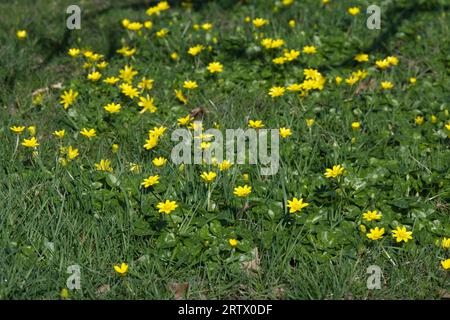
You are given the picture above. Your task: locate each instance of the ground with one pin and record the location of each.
(384, 120)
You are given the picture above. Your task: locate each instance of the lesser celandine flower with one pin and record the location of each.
(310, 122)
(285, 132)
(375, 233)
(151, 142)
(419, 120)
(309, 50)
(32, 130)
(147, 104)
(361, 57)
(104, 165)
(167, 207)
(146, 84)
(111, 80)
(94, 76)
(208, 176)
(188, 84)
(412, 80)
(150, 181)
(445, 243)
(242, 191)
(291, 23)
(296, 205)
(162, 33)
(72, 153)
(17, 130)
(88, 133)
(255, 124)
(174, 56)
(215, 67)
(387, 85)
(115, 148)
(74, 52)
(112, 107)
(157, 131)
(129, 90)
(276, 91)
(354, 11)
(372, 215)
(193, 51)
(225, 165)
(356, 125)
(30, 143)
(445, 264)
(68, 98)
(334, 172)
(159, 162)
(127, 73)
(401, 234)
(179, 95)
(447, 126)
(21, 34)
(122, 269)
(233, 243)
(259, 22)
(184, 120)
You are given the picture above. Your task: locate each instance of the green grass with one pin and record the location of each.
(97, 220)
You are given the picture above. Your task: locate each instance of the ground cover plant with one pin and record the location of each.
(87, 181)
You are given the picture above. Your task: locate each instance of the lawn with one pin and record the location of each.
(361, 115)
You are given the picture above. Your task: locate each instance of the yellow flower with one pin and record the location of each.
(159, 162)
(151, 142)
(208, 176)
(309, 49)
(150, 181)
(233, 243)
(64, 293)
(30, 143)
(279, 60)
(356, 125)
(146, 84)
(68, 98)
(295, 87)
(184, 121)
(392, 60)
(269, 43)
(215, 67)
(21, 34)
(242, 191)
(73, 52)
(412, 80)
(445, 243)
(285, 132)
(17, 130)
(111, 80)
(310, 122)
(256, 124)
(259, 22)
(386, 85)
(287, 2)
(174, 56)
(147, 104)
(372, 215)
(122, 269)
(351, 80)
(335, 172)
(291, 55)
(112, 107)
(447, 126)
(115, 148)
(148, 24)
(193, 51)
(382, 64)
(434, 119)
(375, 234)
(362, 228)
(72, 153)
(135, 26)
(362, 57)
(167, 207)
(94, 76)
(225, 165)
(276, 91)
(400, 234)
(32, 130)
(129, 91)
(338, 80)
(354, 11)
(59, 134)
(445, 264)
(296, 205)
(162, 33)
(180, 96)
(419, 120)
(104, 165)
(292, 23)
(135, 168)
(188, 84)
(88, 133)
(207, 26)
(157, 131)
(127, 74)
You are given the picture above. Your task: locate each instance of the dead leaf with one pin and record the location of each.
(364, 86)
(197, 112)
(253, 265)
(57, 85)
(103, 289)
(179, 289)
(38, 91)
(444, 294)
(278, 292)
